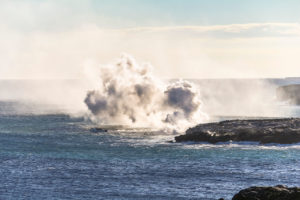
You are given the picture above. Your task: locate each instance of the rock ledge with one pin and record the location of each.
(281, 131)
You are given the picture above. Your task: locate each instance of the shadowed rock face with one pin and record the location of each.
(268, 193)
(281, 131)
(289, 93)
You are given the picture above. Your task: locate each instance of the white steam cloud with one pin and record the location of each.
(129, 94)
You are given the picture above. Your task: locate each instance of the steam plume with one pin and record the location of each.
(130, 94)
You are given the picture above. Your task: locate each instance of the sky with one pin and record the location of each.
(180, 38)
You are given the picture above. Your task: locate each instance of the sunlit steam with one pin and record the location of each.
(129, 94)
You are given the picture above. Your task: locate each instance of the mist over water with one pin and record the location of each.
(49, 155)
(129, 94)
(126, 92)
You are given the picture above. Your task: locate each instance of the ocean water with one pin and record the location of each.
(55, 156)
(45, 154)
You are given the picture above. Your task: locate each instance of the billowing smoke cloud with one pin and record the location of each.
(130, 94)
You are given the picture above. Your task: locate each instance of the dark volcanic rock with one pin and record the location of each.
(268, 193)
(282, 131)
(97, 130)
(289, 93)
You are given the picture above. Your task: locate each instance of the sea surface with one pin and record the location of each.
(56, 156)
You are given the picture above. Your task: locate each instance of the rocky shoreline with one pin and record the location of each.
(280, 131)
(278, 192)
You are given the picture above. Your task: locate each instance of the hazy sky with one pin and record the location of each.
(180, 38)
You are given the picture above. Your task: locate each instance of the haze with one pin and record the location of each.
(181, 39)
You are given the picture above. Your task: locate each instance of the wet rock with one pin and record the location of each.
(278, 192)
(281, 131)
(97, 130)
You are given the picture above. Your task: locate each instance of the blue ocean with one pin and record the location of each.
(57, 156)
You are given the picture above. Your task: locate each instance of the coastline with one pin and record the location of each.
(264, 131)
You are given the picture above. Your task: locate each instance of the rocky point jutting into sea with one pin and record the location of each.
(281, 131)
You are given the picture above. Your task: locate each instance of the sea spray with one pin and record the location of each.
(129, 94)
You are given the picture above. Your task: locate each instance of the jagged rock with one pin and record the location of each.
(278, 192)
(281, 131)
